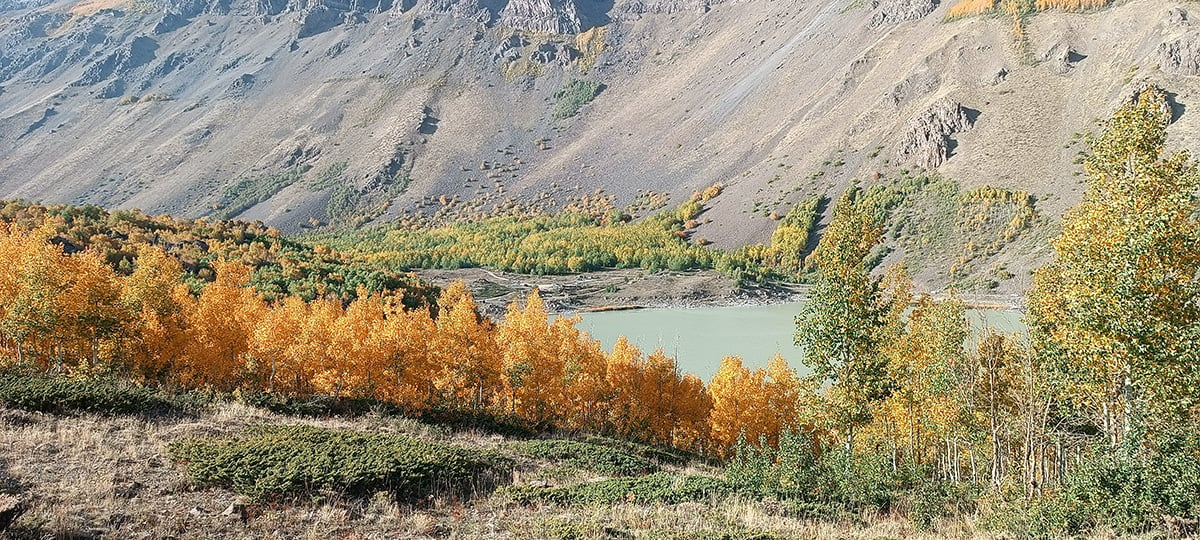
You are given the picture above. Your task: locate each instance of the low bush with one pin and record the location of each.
(317, 406)
(828, 477)
(62, 395)
(656, 454)
(596, 458)
(322, 406)
(1131, 493)
(573, 96)
(281, 462)
(657, 488)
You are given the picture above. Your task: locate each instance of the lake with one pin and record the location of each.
(700, 337)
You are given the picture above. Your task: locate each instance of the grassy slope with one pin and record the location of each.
(89, 476)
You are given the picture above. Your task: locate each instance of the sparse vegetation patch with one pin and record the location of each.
(573, 96)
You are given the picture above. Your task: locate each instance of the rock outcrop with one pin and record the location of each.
(913, 87)
(898, 11)
(1062, 57)
(509, 48)
(471, 10)
(929, 139)
(1182, 56)
(1178, 17)
(139, 52)
(549, 16)
(636, 8)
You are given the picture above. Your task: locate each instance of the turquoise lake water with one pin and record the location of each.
(700, 337)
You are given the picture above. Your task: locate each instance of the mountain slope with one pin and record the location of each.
(307, 112)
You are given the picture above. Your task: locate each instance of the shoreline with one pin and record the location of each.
(636, 289)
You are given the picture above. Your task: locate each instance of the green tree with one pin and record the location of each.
(851, 314)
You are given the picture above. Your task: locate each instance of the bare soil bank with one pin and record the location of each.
(495, 290)
(626, 289)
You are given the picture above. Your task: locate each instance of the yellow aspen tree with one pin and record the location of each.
(1116, 313)
(95, 313)
(533, 372)
(38, 309)
(739, 406)
(928, 365)
(19, 321)
(693, 405)
(998, 360)
(306, 362)
(221, 323)
(408, 338)
(466, 357)
(359, 354)
(585, 375)
(624, 374)
(158, 298)
(783, 390)
(272, 341)
(660, 387)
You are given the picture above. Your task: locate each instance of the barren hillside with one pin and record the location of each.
(306, 112)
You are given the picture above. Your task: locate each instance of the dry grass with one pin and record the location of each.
(1074, 6)
(91, 7)
(91, 477)
(967, 8)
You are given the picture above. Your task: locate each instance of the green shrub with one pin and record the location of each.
(1130, 492)
(573, 96)
(1053, 516)
(801, 470)
(100, 396)
(596, 458)
(318, 406)
(657, 488)
(929, 501)
(249, 191)
(297, 461)
(662, 455)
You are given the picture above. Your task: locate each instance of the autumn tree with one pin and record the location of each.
(220, 325)
(927, 365)
(585, 385)
(275, 343)
(998, 358)
(755, 404)
(739, 405)
(850, 314)
(33, 282)
(408, 337)
(625, 371)
(466, 357)
(533, 372)
(158, 301)
(1115, 314)
(95, 313)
